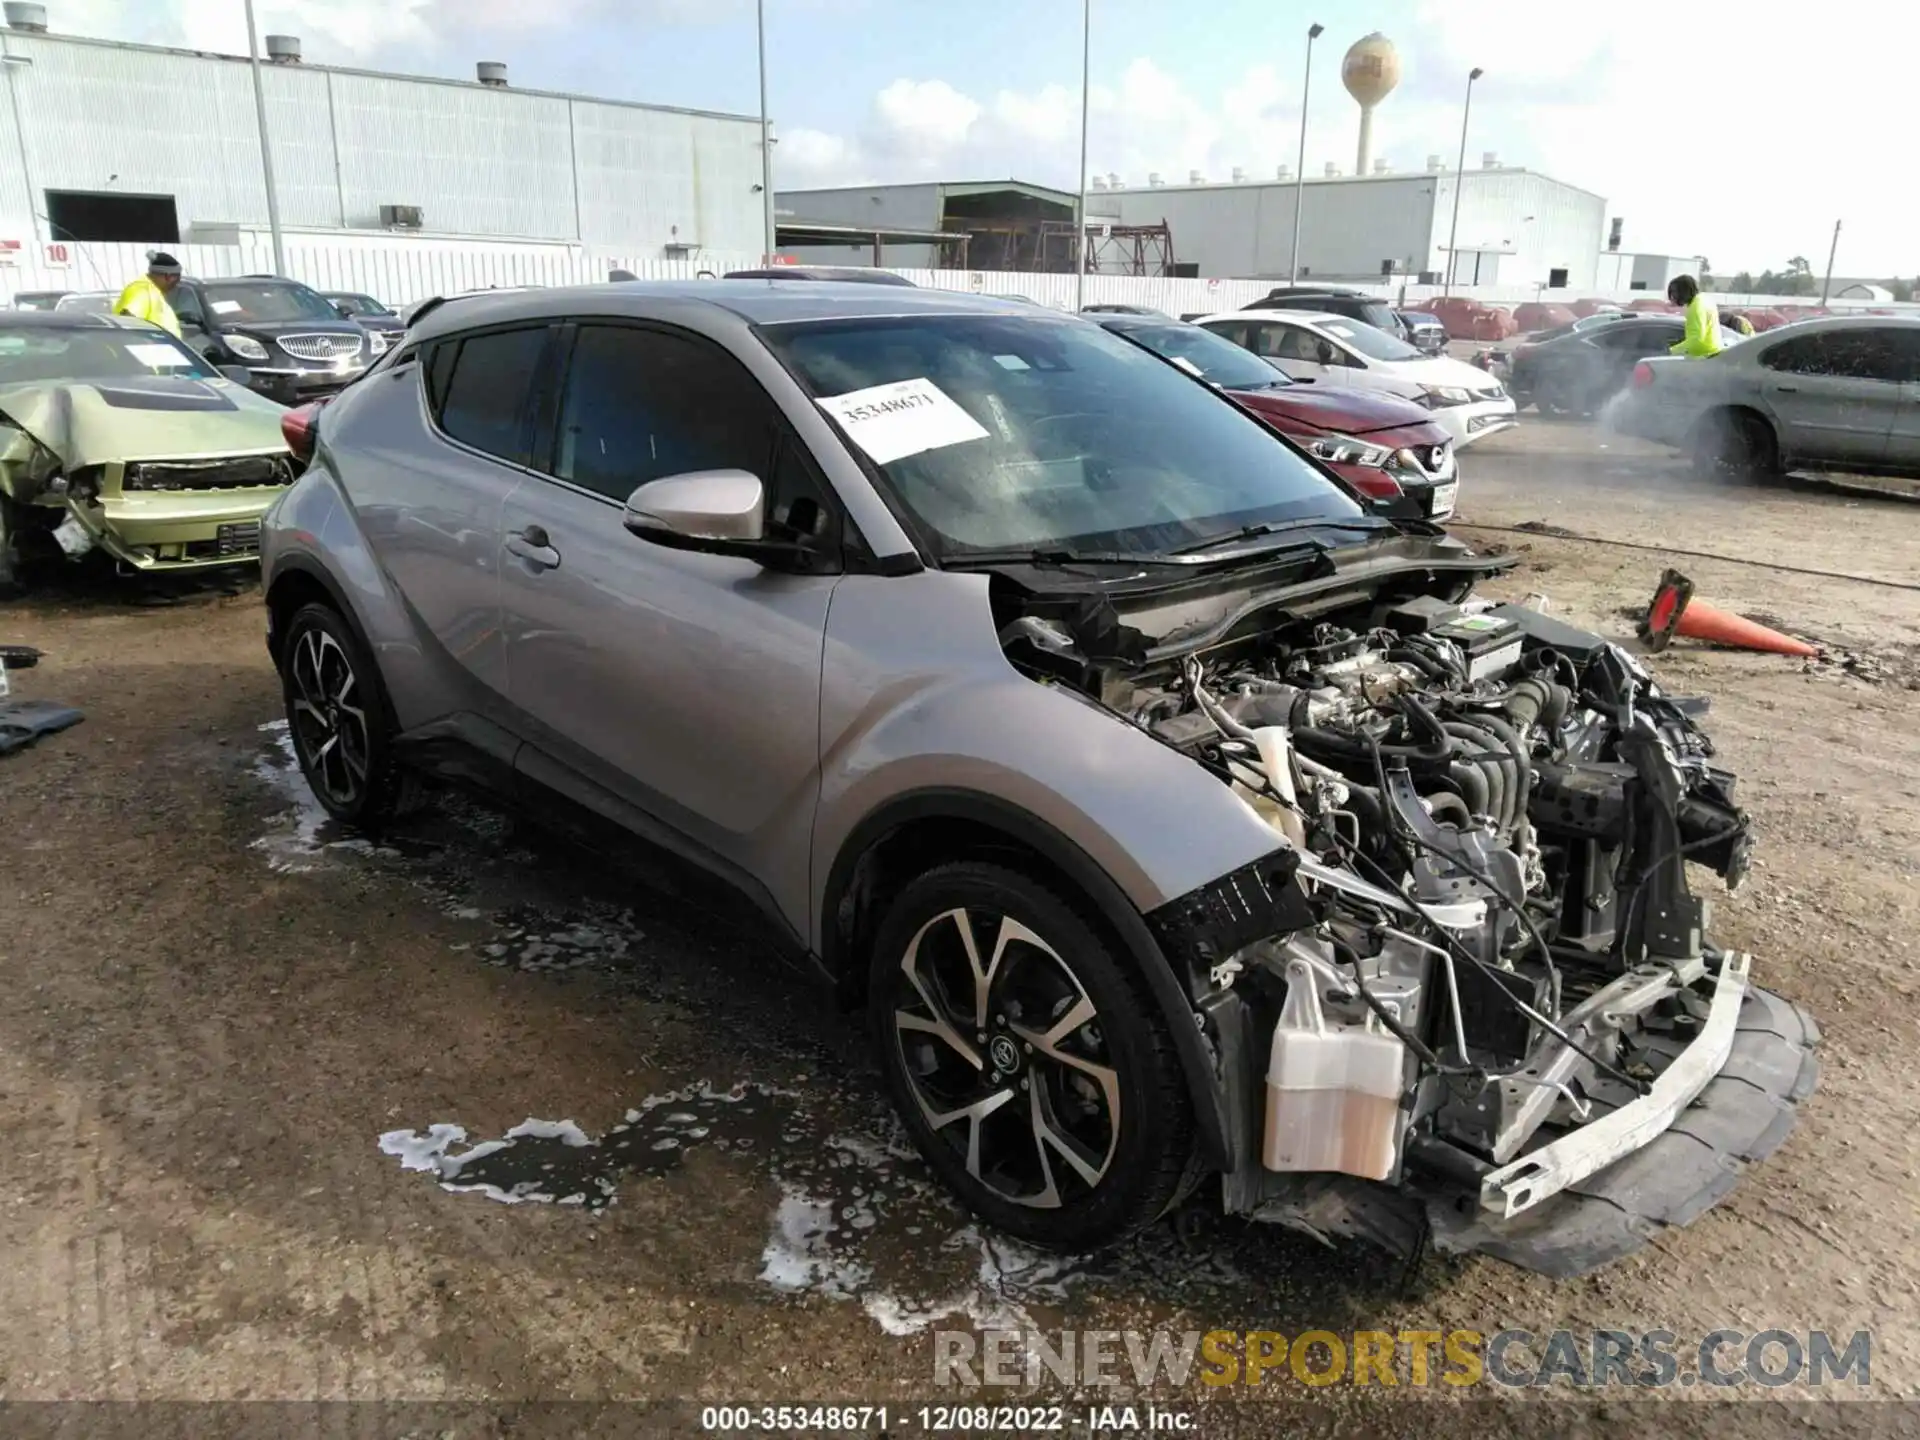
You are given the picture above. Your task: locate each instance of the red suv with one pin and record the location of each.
(1387, 448)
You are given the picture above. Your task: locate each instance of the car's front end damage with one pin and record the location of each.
(159, 474)
(1470, 998)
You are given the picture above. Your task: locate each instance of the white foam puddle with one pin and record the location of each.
(856, 1221)
(299, 839)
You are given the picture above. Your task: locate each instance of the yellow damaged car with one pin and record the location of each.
(115, 436)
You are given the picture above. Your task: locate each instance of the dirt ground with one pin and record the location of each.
(216, 1007)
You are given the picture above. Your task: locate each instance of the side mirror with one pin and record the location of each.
(716, 510)
(1323, 350)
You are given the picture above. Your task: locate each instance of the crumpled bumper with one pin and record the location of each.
(1738, 1117)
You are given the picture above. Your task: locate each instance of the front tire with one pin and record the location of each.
(341, 721)
(1031, 1065)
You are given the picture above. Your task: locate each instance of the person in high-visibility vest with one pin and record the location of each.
(1703, 318)
(146, 298)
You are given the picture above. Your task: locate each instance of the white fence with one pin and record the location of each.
(399, 269)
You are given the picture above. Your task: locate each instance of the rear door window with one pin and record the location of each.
(487, 383)
(1843, 354)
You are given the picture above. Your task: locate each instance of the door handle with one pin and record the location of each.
(1786, 389)
(532, 546)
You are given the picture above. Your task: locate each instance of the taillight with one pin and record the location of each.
(299, 426)
(1642, 375)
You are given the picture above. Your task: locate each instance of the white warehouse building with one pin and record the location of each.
(116, 142)
(1516, 226)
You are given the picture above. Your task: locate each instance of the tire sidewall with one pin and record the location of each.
(1152, 1118)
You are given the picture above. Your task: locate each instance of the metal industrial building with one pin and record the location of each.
(1517, 227)
(947, 225)
(123, 142)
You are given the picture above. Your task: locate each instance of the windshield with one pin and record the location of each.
(266, 301)
(1021, 433)
(1215, 359)
(1373, 343)
(27, 356)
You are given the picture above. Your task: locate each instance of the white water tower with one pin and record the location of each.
(1370, 71)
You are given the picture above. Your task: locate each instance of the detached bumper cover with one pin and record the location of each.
(1739, 1116)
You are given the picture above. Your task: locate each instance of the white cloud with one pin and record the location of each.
(1708, 132)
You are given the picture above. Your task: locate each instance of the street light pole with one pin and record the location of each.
(1314, 32)
(768, 239)
(1826, 285)
(1460, 180)
(1086, 73)
(266, 148)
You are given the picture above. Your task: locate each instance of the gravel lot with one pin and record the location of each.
(217, 1007)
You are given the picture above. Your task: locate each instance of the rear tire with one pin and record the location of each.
(341, 721)
(1032, 1066)
(1734, 445)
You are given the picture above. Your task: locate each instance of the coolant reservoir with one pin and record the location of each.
(1333, 1092)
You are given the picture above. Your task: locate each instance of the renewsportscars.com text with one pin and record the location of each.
(1645, 1359)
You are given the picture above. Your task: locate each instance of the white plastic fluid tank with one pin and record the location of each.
(1333, 1092)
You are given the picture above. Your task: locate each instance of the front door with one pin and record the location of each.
(687, 685)
(1836, 393)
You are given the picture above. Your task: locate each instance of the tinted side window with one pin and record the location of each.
(185, 301)
(1848, 354)
(1234, 330)
(642, 404)
(1642, 339)
(484, 401)
(438, 370)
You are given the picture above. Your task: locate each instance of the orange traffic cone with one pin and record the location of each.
(1674, 611)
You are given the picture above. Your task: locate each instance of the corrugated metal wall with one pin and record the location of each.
(1347, 227)
(1541, 224)
(399, 270)
(477, 161)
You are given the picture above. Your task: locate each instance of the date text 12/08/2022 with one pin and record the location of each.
(943, 1419)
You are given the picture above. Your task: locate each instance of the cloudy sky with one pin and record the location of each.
(1710, 128)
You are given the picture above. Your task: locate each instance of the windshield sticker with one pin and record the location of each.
(891, 422)
(159, 357)
(225, 307)
(1011, 362)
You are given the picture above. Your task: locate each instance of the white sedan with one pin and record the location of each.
(1318, 349)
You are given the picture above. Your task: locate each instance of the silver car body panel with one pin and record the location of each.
(760, 718)
(1818, 419)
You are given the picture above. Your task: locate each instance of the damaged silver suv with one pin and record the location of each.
(1178, 821)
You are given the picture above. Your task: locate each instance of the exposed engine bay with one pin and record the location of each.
(1490, 997)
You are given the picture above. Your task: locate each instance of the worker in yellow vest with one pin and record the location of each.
(146, 298)
(1703, 318)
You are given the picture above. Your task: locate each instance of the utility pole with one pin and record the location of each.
(266, 147)
(770, 245)
(1314, 32)
(1826, 285)
(1460, 180)
(1086, 73)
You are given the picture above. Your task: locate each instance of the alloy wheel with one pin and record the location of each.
(328, 717)
(1003, 1051)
